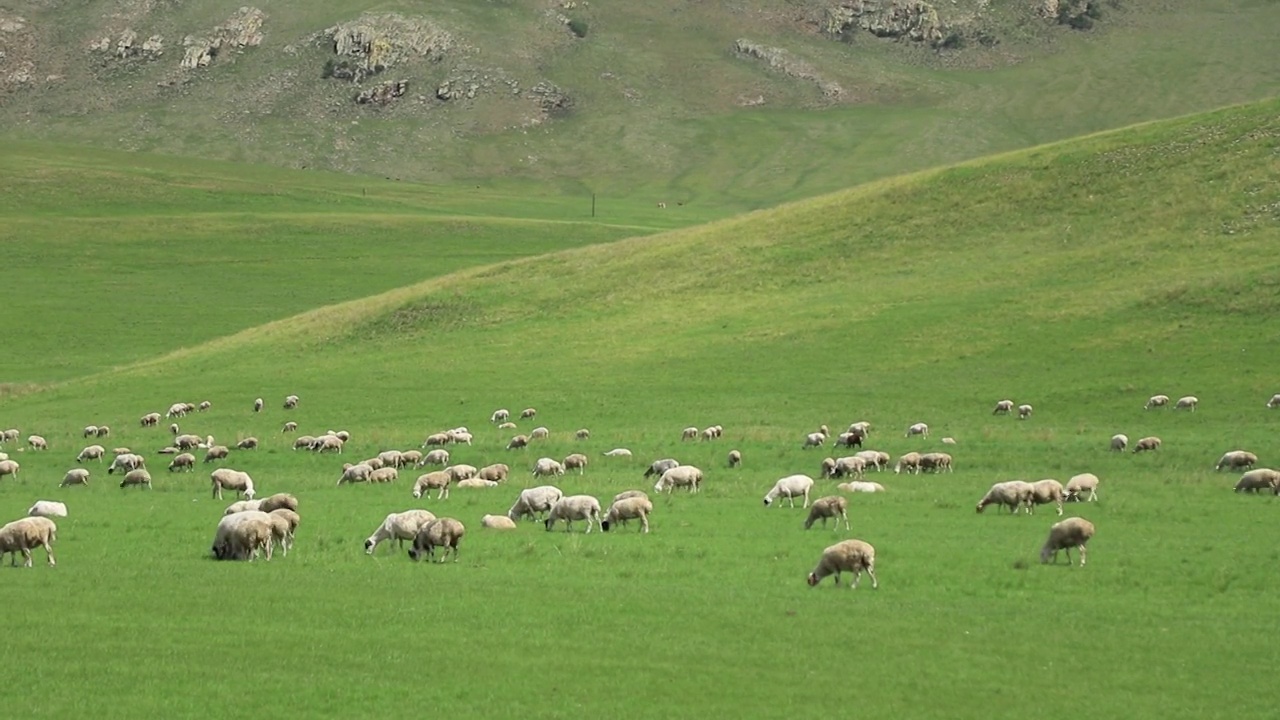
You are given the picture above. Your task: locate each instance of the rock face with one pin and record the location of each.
(910, 19)
(242, 29)
(376, 41)
(788, 64)
(382, 93)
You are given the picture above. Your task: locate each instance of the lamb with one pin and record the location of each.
(205, 405)
(618, 452)
(918, 429)
(9, 467)
(859, 486)
(230, 479)
(436, 457)
(150, 419)
(826, 431)
(576, 461)
(910, 462)
(1274, 402)
(384, 475)
(853, 466)
(851, 556)
(138, 477)
(290, 402)
(47, 508)
(1119, 442)
(936, 462)
(438, 480)
(249, 443)
(399, 526)
(500, 415)
(539, 433)
(1237, 460)
(442, 532)
(1004, 407)
(689, 433)
(496, 472)
(629, 508)
(37, 442)
(735, 458)
(1189, 401)
(284, 525)
(546, 466)
(75, 476)
(173, 429)
(497, 522)
(831, 506)
(1014, 494)
(535, 500)
(789, 487)
(814, 439)
(1070, 533)
(475, 482)
(657, 467)
(279, 501)
(528, 413)
(1078, 484)
(22, 536)
(875, 457)
(185, 461)
(582, 434)
(289, 427)
(216, 452)
(1044, 492)
(1157, 401)
(1024, 412)
(1259, 479)
(240, 536)
(679, 476)
(574, 507)
(518, 442)
(1147, 443)
(258, 404)
(93, 452)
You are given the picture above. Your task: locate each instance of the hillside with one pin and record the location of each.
(669, 101)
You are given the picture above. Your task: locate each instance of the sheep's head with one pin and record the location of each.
(417, 493)
(248, 494)
(369, 545)
(813, 579)
(768, 500)
(414, 555)
(549, 523)
(980, 507)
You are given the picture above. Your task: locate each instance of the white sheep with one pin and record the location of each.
(1274, 402)
(240, 506)
(462, 472)
(436, 457)
(205, 405)
(546, 466)
(877, 458)
(460, 437)
(1014, 494)
(1156, 401)
(150, 420)
(539, 433)
(851, 466)
(303, 441)
(410, 458)
(176, 410)
(249, 443)
(528, 413)
(399, 526)
(1004, 407)
(290, 402)
(241, 536)
(284, 526)
(47, 508)
(93, 452)
(75, 476)
(1189, 401)
(518, 442)
(37, 442)
(391, 458)
(814, 439)
(1119, 442)
(921, 429)
(438, 480)
(500, 415)
(618, 452)
(831, 506)
(852, 556)
(216, 452)
(9, 467)
(1070, 533)
(496, 472)
(184, 461)
(289, 427)
(279, 501)
(790, 487)
(442, 532)
(90, 431)
(173, 429)
(909, 462)
(1147, 443)
(1024, 411)
(139, 477)
(657, 467)
(582, 434)
(258, 404)
(497, 522)
(574, 507)
(230, 479)
(576, 461)
(1077, 485)
(948, 441)
(689, 433)
(187, 441)
(475, 482)
(936, 462)
(628, 508)
(533, 501)
(849, 439)
(861, 427)
(735, 458)
(20, 537)
(680, 476)
(1258, 479)
(860, 486)
(1237, 460)
(1044, 492)
(384, 475)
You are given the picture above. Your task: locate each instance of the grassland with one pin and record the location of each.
(1080, 277)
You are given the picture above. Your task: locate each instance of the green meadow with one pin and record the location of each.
(1080, 277)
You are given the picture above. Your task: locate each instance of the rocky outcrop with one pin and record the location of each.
(126, 45)
(382, 93)
(905, 19)
(786, 63)
(243, 29)
(550, 99)
(374, 42)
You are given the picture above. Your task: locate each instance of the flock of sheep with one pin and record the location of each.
(250, 528)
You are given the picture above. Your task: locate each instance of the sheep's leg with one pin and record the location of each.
(857, 576)
(874, 582)
(1059, 507)
(26, 557)
(644, 522)
(48, 551)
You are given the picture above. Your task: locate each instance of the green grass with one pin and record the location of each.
(1080, 277)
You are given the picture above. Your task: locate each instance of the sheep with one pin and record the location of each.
(533, 501)
(1147, 443)
(22, 536)
(1064, 535)
(657, 467)
(438, 480)
(1079, 484)
(618, 452)
(831, 506)
(576, 461)
(399, 526)
(356, 473)
(390, 458)
(47, 508)
(496, 472)
(1044, 492)
(4, 456)
(216, 452)
(290, 402)
(303, 441)
(1014, 494)
(574, 507)
(173, 429)
(177, 410)
(689, 433)
(814, 439)
(528, 413)
(909, 462)
(289, 427)
(1189, 401)
(859, 486)
(240, 536)
(9, 467)
(475, 482)
(582, 434)
(185, 461)
(240, 506)
(249, 443)
(384, 475)
(37, 442)
(875, 457)
(539, 433)
(507, 426)
(735, 458)
(186, 442)
(410, 458)
(921, 429)
(258, 404)
(1258, 479)
(75, 476)
(824, 430)
(93, 452)
(435, 457)
(500, 415)
(518, 442)
(679, 476)
(789, 487)
(1119, 442)
(462, 472)
(1024, 411)
(1274, 402)
(849, 439)
(827, 468)
(497, 522)
(150, 420)
(1156, 401)
(230, 479)
(373, 463)
(629, 508)
(1237, 460)
(126, 462)
(709, 434)
(279, 501)
(284, 525)
(328, 443)
(138, 477)
(936, 462)
(442, 532)
(630, 494)
(851, 556)
(852, 466)
(1004, 407)
(205, 405)
(460, 437)
(546, 466)
(90, 431)
(861, 427)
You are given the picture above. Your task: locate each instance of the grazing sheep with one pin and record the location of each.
(618, 452)
(1024, 412)
(290, 402)
(852, 466)
(1156, 401)
(384, 475)
(373, 463)
(1147, 443)
(735, 458)
(187, 442)
(533, 501)
(216, 452)
(849, 439)
(831, 506)
(546, 466)
(1004, 407)
(582, 434)
(630, 494)
(436, 457)
(23, 536)
(528, 413)
(936, 462)
(576, 461)
(90, 431)
(185, 461)
(9, 467)
(240, 506)
(814, 439)
(1079, 484)
(126, 462)
(920, 429)
(357, 473)
(399, 526)
(258, 404)
(241, 536)
(37, 442)
(574, 507)
(177, 410)
(391, 458)
(303, 441)
(497, 522)
(689, 433)
(539, 433)
(628, 508)
(328, 443)
(279, 501)
(1119, 442)
(93, 452)
(1044, 492)
(852, 556)
(1274, 402)
(909, 462)
(284, 525)
(1014, 494)
(442, 532)
(475, 482)
(518, 442)
(205, 405)
(1259, 479)
(249, 443)
(12, 434)
(679, 476)
(47, 508)
(150, 419)
(230, 479)
(827, 468)
(462, 472)
(878, 459)
(410, 458)
(826, 431)
(496, 472)
(790, 487)
(138, 477)
(1189, 401)
(709, 434)
(289, 427)
(507, 426)
(75, 476)
(438, 480)
(860, 486)
(1237, 460)
(173, 429)
(862, 427)
(500, 415)
(657, 467)
(1070, 533)
(461, 437)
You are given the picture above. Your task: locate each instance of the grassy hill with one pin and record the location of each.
(1080, 277)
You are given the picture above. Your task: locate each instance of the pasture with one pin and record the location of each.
(1080, 278)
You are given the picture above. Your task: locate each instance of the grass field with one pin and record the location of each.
(1081, 278)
